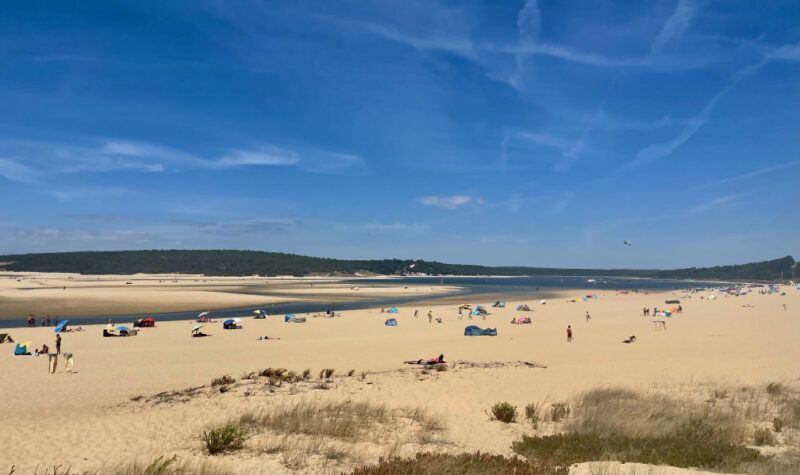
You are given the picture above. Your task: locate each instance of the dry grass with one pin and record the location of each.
(340, 420)
(159, 466)
(466, 464)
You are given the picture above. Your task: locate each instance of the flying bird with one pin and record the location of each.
(627, 243)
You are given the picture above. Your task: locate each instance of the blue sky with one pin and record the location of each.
(495, 132)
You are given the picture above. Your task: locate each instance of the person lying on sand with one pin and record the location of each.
(267, 338)
(630, 339)
(431, 361)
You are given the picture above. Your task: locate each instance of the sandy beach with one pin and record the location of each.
(108, 406)
(66, 295)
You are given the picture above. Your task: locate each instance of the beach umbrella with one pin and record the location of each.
(62, 325)
(196, 328)
(228, 322)
(204, 314)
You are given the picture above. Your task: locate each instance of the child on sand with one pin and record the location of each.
(569, 333)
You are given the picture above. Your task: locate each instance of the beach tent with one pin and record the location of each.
(23, 348)
(392, 310)
(499, 304)
(123, 330)
(391, 322)
(473, 330)
(543, 302)
(147, 322)
(259, 314)
(288, 317)
(62, 326)
(231, 323)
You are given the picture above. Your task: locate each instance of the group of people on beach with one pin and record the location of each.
(46, 321)
(646, 311)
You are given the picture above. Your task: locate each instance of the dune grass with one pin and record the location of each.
(467, 464)
(227, 437)
(160, 466)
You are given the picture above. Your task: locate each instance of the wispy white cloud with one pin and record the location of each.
(264, 155)
(15, 171)
(711, 204)
(528, 26)
(382, 228)
(447, 202)
(753, 174)
(46, 159)
(675, 26)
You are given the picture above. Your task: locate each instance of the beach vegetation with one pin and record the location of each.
(764, 436)
(227, 437)
(504, 412)
(222, 381)
(468, 464)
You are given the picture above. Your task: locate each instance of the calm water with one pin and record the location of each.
(473, 288)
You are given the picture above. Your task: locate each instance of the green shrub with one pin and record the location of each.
(222, 381)
(695, 443)
(504, 412)
(467, 464)
(532, 413)
(225, 438)
(559, 411)
(775, 389)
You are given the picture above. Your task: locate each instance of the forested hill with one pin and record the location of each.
(226, 262)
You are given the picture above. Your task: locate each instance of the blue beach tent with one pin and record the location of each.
(62, 326)
(392, 310)
(473, 330)
(391, 322)
(288, 317)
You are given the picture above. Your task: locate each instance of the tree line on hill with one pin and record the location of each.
(236, 263)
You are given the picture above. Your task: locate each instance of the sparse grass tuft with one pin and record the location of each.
(351, 373)
(222, 380)
(777, 424)
(326, 373)
(533, 413)
(307, 374)
(559, 411)
(775, 389)
(228, 437)
(504, 412)
(764, 436)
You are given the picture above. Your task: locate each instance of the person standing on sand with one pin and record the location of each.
(58, 343)
(569, 333)
(416, 313)
(430, 316)
(588, 317)
(460, 313)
